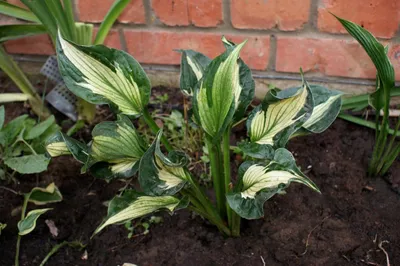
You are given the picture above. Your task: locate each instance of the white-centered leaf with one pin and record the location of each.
(28, 224)
(103, 75)
(162, 175)
(119, 145)
(261, 182)
(60, 144)
(193, 65)
(273, 122)
(217, 95)
(135, 206)
(327, 105)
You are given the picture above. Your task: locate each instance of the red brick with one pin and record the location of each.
(394, 56)
(201, 13)
(112, 40)
(328, 56)
(95, 10)
(381, 17)
(17, 3)
(151, 47)
(36, 45)
(287, 15)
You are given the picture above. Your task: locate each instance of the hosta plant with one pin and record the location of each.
(22, 145)
(220, 89)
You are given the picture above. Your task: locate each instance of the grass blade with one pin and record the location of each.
(363, 122)
(41, 10)
(11, 32)
(17, 12)
(112, 15)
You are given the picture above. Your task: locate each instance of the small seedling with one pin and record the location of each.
(22, 147)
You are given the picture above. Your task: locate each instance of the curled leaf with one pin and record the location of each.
(259, 183)
(116, 149)
(162, 175)
(134, 205)
(28, 224)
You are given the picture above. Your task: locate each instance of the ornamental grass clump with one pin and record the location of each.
(220, 89)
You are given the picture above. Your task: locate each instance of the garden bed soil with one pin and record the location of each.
(342, 226)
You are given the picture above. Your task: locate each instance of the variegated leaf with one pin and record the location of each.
(103, 75)
(257, 151)
(246, 81)
(60, 144)
(327, 105)
(116, 148)
(160, 175)
(281, 114)
(216, 96)
(132, 205)
(42, 196)
(193, 65)
(260, 182)
(27, 225)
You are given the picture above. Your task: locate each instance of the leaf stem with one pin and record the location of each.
(153, 126)
(23, 211)
(217, 176)
(227, 170)
(75, 244)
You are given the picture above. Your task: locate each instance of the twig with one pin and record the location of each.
(10, 190)
(309, 234)
(263, 261)
(384, 251)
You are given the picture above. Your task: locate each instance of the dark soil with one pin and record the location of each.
(342, 226)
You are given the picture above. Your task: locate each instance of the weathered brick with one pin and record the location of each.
(94, 11)
(394, 56)
(381, 17)
(202, 13)
(151, 47)
(36, 45)
(287, 15)
(331, 57)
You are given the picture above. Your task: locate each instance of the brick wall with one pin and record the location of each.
(283, 35)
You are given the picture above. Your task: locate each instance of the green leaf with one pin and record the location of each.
(160, 175)
(11, 32)
(260, 182)
(377, 52)
(84, 33)
(247, 84)
(102, 75)
(28, 224)
(257, 151)
(216, 96)
(327, 105)
(193, 66)
(43, 13)
(28, 164)
(118, 147)
(40, 128)
(113, 13)
(17, 12)
(60, 144)
(42, 196)
(280, 115)
(2, 116)
(11, 130)
(134, 205)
